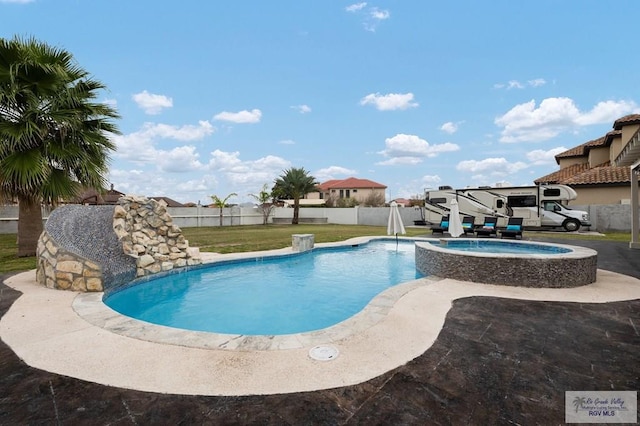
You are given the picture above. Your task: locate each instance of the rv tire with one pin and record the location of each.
(571, 225)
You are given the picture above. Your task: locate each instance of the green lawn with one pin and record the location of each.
(233, 239)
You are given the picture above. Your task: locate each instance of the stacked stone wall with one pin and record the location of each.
(65, 270)
(147, 233)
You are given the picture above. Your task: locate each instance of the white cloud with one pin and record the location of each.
(402, 145)
(246, 175)
(515, 84)
(110, 102)
(400, 161)
(240, 117)
(372, 16)
(302, 109)
(607, 111)
(411, 150)
(449, 127)
(356, 7)
(187, 132)
(287, 142)
(429, 180)
(378, 14)
(331, 172)
(389, 102)
(178, 160)
(537, 82)
(540, 157)
(496, 166)
(526, 123)
(139, 147)
(17, 1)
(152, 104)
(151, 183)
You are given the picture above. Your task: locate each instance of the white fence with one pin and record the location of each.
(611, 217)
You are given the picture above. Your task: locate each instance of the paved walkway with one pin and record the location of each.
(495, 361)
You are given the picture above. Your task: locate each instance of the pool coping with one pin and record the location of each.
(44, 330)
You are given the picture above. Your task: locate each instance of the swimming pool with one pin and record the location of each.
(272, 296)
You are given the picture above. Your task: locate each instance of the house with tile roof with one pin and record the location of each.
(361, 190)
(90, 196)
(169, 201)
(598, 170)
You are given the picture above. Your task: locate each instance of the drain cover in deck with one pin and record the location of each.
(323, 353)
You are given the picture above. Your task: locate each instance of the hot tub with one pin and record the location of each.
(514, 263)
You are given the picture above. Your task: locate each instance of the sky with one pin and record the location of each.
(220, 97)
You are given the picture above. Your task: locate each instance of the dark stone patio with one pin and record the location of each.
(496, 361)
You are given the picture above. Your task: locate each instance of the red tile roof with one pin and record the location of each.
(600, 175)
(581, 174)
(350, 183)
(559, 176)
(612, 135)
(626, 121)
(582, 150)
(170, 202)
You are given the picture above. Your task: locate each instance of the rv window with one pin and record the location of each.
(438, 200)
(499, 204)
(522, 201)
(551, 192)
(552, 206)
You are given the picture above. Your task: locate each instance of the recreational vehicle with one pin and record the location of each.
(539, 206)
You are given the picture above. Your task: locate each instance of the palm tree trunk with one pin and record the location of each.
(296, 211)
(29, 226)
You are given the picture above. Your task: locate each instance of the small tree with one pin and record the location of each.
(374, 199)
(347, 202)
(222, 203)
(416, 200)
(266, 204)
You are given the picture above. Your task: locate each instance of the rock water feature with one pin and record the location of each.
(93, 248)
(148, 234)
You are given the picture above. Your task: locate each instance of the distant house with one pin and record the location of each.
(169, 201)
(403, 202)
(361, 190)
(598, 170)
(92, 197)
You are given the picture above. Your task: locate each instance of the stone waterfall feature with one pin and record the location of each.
(95, 248)
(148, 234)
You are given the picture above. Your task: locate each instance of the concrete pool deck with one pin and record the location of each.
(496, 361)
(45, 331)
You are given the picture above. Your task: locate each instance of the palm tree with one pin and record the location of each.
(221, 203)
(265, 198)
(54, 137)
(295, 183)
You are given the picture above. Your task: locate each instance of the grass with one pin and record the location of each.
(234, 239)
(9, 260)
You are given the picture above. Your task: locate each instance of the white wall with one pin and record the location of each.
(607, 217)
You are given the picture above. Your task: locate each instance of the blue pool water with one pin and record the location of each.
(283, 295)
(500, 246)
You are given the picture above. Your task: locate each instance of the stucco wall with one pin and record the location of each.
(602, 195)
